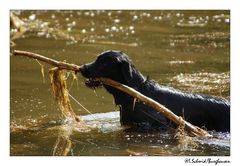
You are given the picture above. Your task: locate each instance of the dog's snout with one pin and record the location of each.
(88, 70)
(84, 70)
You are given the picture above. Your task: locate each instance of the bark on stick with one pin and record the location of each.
(59, 64)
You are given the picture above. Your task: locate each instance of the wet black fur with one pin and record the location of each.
(201, 110)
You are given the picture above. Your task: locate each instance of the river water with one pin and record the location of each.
(187, 50)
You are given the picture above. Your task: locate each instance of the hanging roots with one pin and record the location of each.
(60, 92)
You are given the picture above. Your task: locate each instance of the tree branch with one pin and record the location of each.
(61, 65)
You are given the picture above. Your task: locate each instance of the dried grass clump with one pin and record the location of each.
(60, 92)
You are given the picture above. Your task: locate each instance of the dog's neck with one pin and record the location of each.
(119, 96)
(136, 80)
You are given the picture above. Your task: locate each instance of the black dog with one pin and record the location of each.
(204, 111)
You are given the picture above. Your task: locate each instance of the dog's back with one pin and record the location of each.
(201, 110)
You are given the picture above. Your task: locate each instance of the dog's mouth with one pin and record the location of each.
(93, 83)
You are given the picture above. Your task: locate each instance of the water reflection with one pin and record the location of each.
(63, 144)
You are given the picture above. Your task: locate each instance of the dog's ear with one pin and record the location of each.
(126, 70)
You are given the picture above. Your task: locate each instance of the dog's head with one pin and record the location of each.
(110, 64)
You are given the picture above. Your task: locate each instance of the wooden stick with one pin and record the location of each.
(61, 65)
(179, 121)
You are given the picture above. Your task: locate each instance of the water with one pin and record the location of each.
(188, 50)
